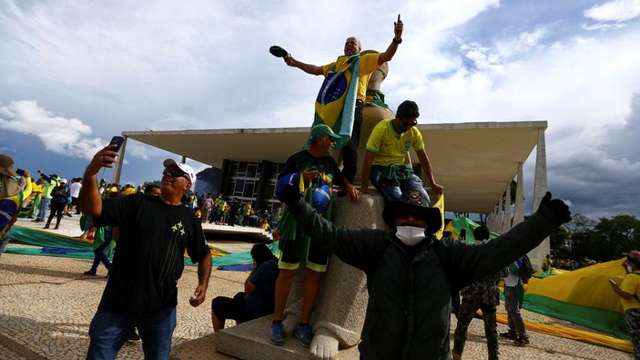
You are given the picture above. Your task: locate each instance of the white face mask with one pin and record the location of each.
(410, 235)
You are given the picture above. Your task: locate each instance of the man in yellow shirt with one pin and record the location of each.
(628, 292)
(36, 195)
(385, 162)
(368, 64)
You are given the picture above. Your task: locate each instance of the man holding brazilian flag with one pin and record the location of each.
(341, 97)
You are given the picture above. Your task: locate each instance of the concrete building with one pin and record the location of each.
(475, 162)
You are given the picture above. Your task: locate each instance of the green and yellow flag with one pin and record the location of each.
(336, 99)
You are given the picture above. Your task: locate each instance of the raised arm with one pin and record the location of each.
(90, 200)
(469, 263)
(393, 47)
(308, 68)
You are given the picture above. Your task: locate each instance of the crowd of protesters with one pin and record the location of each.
(53, 197)
(215, 209)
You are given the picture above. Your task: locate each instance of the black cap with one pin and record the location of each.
(414, 203)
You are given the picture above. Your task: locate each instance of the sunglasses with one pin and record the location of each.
(175, 174)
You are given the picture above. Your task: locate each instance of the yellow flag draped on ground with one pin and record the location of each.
(336, 99)
(582, 296)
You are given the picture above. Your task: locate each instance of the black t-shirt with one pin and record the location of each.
(149, 256)
(304, 161)
(261, 301)
(59, 195)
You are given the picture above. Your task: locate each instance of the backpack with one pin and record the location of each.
(525, 269)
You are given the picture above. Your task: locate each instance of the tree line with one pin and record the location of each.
(600, 240)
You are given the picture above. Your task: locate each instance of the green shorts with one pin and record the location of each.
(293, 251)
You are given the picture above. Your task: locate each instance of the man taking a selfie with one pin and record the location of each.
(154, 233)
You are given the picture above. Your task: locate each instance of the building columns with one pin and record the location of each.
(519, 213)
(539, 189)
(500, 219)
(506, 218)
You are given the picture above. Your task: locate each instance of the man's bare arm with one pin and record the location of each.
(90, 199)
(308, 68)
(426, 167)
(393, 47)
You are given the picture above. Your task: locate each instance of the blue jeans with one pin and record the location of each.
(108, 331)
(394, 193)
(101, 254)
(44, 206)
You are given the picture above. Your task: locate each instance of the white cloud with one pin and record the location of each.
(67, 136)
(521, 44)
(137, 150)
(616, 10)
(603, 26)
(579, 88)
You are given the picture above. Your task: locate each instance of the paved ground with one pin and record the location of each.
(46, 306)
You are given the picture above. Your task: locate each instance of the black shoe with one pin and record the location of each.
(91, 273)
(521, 342)
(508, 335)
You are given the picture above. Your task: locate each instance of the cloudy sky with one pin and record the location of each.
(74, 73)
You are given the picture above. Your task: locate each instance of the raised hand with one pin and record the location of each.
(103, 158)
(397, 29)
(559, 210)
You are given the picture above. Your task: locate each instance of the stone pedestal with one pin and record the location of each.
(371, 116)
(341, 304)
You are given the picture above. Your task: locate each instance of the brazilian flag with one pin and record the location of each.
(336, 99)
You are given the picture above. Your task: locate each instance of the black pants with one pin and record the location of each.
(350, 151)
(57, 211)
(230, 308)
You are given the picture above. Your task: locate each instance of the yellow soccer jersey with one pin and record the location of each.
(391, 147)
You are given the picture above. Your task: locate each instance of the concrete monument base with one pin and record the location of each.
(251, 341)
(338, 316)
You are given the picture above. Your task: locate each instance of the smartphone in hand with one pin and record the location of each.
(116, 141)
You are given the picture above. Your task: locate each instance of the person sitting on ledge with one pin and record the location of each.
(258, 296)
(410, 274)
(385, 162)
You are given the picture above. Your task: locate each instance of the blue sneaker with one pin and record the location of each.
(304, 333)
(277, 333)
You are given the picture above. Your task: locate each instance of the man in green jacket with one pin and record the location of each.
(410, 275)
